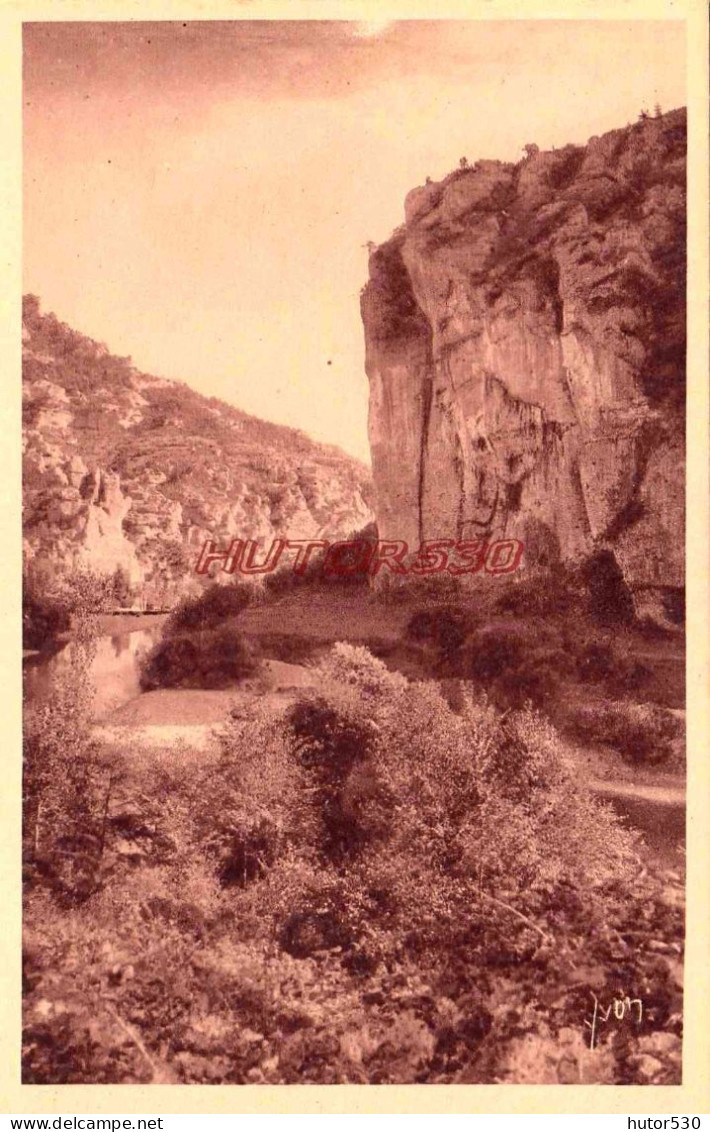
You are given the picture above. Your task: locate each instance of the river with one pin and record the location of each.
(115, 673)
(114, 670)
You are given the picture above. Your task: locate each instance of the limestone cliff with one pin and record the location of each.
(525, 345)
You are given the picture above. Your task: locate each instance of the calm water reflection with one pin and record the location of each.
(114, 669)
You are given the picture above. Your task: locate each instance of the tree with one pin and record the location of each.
(531, 149)
(657, 112)
(30, 308)
(121, 591)
(463, 163)
(87, 594)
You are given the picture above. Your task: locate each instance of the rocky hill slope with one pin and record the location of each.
(525, 333)
(125, 469)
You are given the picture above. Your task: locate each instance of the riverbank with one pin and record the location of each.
(292, 633)
(220, 920)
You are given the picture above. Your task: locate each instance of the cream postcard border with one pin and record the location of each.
(693, 1095)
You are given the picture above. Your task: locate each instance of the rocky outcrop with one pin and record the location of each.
(126, 470)
(102, 543)
(525, 345)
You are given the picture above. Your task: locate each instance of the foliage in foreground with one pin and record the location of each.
(68, 779)
(371, 888)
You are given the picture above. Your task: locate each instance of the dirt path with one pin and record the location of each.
(654, 795)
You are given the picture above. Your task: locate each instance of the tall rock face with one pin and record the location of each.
(525, 345)
(123, 469)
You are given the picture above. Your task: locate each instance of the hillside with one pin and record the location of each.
(122, 468)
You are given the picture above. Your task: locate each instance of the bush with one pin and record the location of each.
(450, 799)
(285, 580)
(265, 947)
(610, 600)
(329, 747)
(67, 782)
(87, 594)
(515, 665)
(529, 662)
(209, 610)
(288, 647)
(253, 805)
(496, 653)
(211, 659)
(642, 733)
(446, 627)
(407, 589)
(197, 649)
(545, 594)
(43, 618)
(596, 663)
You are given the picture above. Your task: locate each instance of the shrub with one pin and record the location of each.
(67, 783)
(445, 627)
(610, 600)
(329, 746)
(548, 593)
(121, 591)
(420, 625)
(495, 653)
(209, 610)
(515, 665)
(481, 872)
(288, 647)
(441, 801)
(596, 663)
(197, 649)
(43, 618)
(87, 593)
(253, 804)
(642, 733)
(406, 589)
(381, 647)
(529, 661)
(211, 659)
(535, 680)
(49, 610)
(285, 580)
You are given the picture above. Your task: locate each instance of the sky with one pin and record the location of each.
(200, 195)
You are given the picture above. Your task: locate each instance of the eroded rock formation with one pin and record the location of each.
(525, 344)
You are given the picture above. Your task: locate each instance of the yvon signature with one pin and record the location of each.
(620, 1008)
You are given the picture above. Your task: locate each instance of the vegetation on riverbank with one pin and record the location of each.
(396, 876)
(200, 646)
(55, 607)
(373, 887)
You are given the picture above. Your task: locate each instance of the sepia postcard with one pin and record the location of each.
(362, 359)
